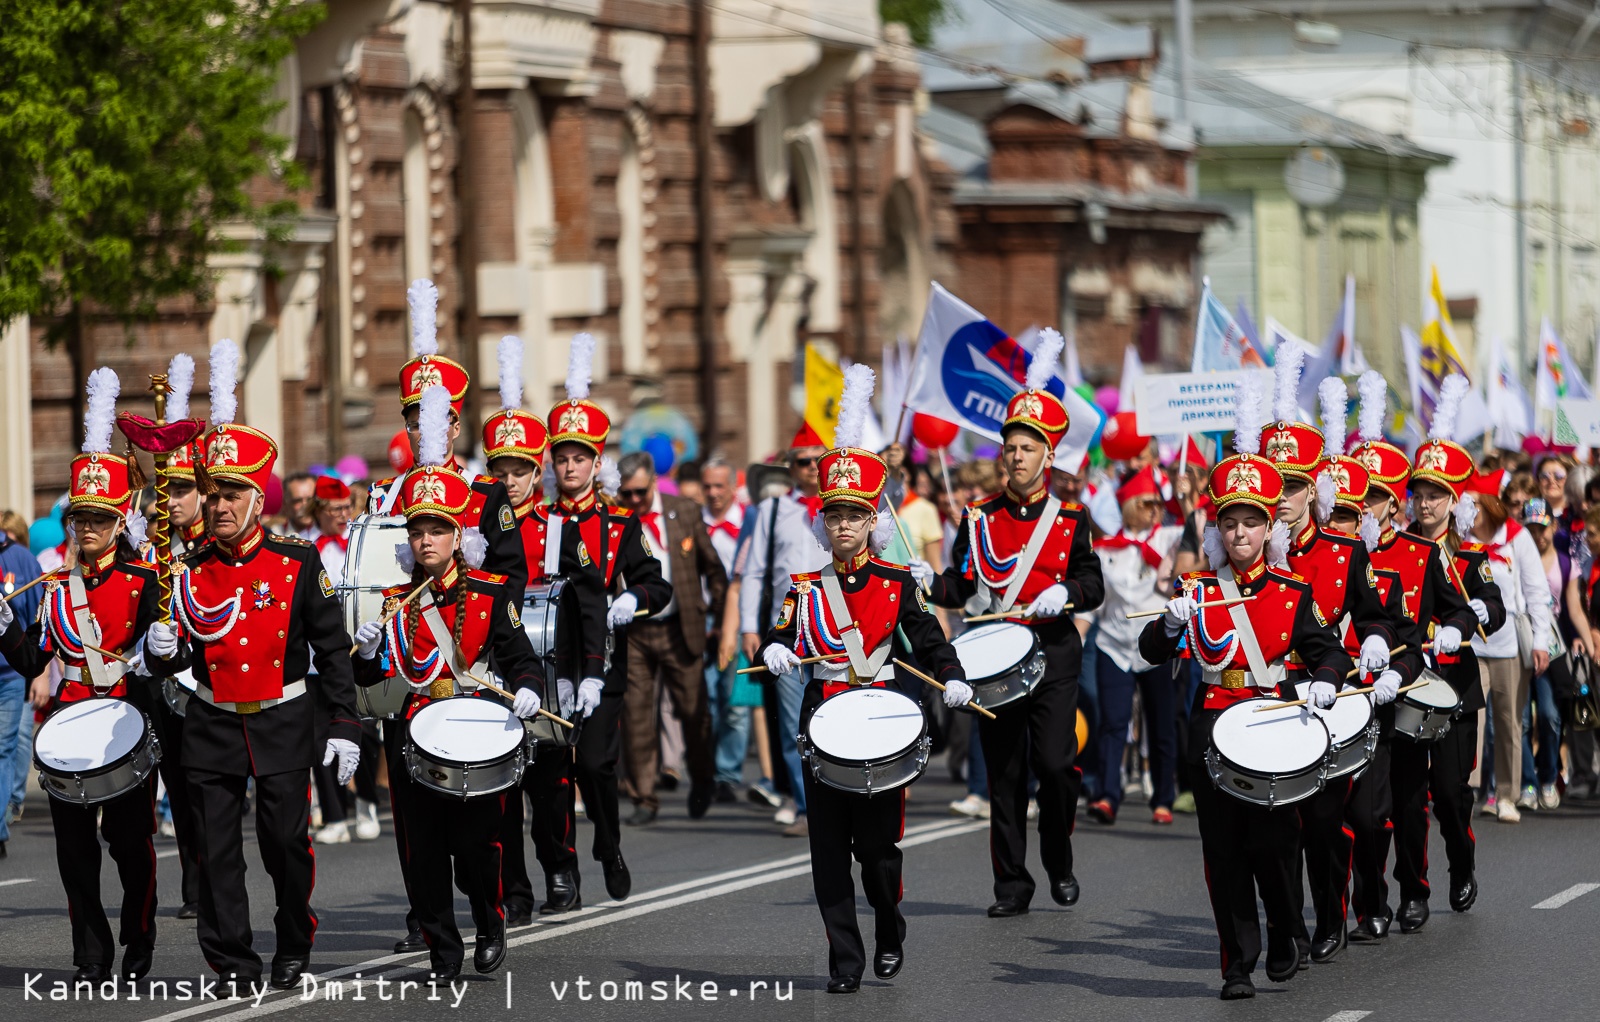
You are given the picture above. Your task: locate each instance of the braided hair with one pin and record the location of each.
(459, 592)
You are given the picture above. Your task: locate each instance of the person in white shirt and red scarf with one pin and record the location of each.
(1001, 563)
(439, 645)
(93, 615)
(888, 614)
(1247, 845)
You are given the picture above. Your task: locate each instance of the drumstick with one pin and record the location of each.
(492, 687)
(18, 592)
(383, 622)
(1339, 695)
(758, 668)
(997, 615)
(911, 551)
(1211, 603)
(940, 687)
(107, 652)
(1352, 673)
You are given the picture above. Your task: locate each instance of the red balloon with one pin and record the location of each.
(932, 432)
(400, 458)
(1121, 440)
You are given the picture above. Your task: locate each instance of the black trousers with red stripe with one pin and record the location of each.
(129, 825)
(450, 838)
(1438, 769)
(1325, 847)
(842, 825)
(283, 818)
(170, 728)
(552, 795)
(1367, 814)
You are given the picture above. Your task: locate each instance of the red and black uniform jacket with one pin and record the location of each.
(1343, 581)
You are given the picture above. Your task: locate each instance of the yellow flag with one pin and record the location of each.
(824, 386)
(1440, 357)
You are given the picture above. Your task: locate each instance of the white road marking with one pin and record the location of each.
(1570, 894)
(654, 901)
(19, 880)
(1348, 1016)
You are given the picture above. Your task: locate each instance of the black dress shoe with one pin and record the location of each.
(561, 890)
(490, 951)
(1284, 969)
(446, 972)
(1412, 915)
(667, 781)
(619, 882)
(700, 800)
(1371, 929)
(1238, 990)
(190, 910)
(844, 984)
(1464, 893)
(1328, 948)
(1065, 892)
(136, 960)
(886, 964)
(518, 917)
(410, 943)
(95, 974)
(641, 815)
(286, 971)
(726, 794)
(1007, 907)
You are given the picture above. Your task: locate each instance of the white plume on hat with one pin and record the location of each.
(180, 382)
(1374, 390)
(100, 411)
(224, 378)
(1046, 358)
(854, 405)
(510, 355)
(433, 426)
(1247, 415)
(1286, 381)
(423, 300)
(580, 366)
(1335, 400)
(1448, 409)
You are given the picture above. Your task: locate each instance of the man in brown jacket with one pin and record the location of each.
(670, 646)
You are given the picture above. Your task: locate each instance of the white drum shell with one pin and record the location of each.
(1003, 662)
(177, 689)
(1292, 768)
(465, 747)
(849, 747)
(1353, 729)
(95, 750)
(1424, 714)
(370, 568)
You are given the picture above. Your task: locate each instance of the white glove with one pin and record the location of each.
(1050, 602)
(780, 659)
(622, 610)
(564, 697)
(1374, 654)
(368, 638)
(957, 693)
(920, 570)
(138, 666)
(1180, 609)
(1386, 687)
(588, 695)
(1481, 609)
(349, 754)
(1321, 694)
(162, 640)
(525, 703)
(1447, 639)
(6, 615)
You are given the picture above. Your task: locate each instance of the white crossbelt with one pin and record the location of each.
(114, 671)
(290, 691)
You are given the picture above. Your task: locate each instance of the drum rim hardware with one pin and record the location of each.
(141, 767)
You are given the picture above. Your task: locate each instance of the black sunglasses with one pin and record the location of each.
(629, 494)
(803, 462)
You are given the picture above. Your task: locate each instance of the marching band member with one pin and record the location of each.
(1438, 770)
(878, 598)
(1002, 562)
(1243, 649)
(438, 646)
(614, 560)
(94, 614)
(259, 610)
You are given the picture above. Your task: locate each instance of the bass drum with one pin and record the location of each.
(370, 568)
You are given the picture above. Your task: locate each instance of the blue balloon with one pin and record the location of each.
(45, 534)
(659, 447)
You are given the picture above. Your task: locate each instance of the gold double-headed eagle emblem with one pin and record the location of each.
(510, 433)
(93, 479)
(1340, 475)
(575, 419)
(427, 375)
(1432, 458)
(1282, 446)
(428, 489)
(222, 450)
(845, 472)
(1030, 405)
(1244, 476)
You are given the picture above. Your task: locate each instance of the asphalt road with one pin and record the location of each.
(723, 907)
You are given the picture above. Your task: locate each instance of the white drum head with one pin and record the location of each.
(1275, 742)
(88, 735)
(993, 649)
(1437, 693)
(865, 724)
(1346, 718)
(466, 729)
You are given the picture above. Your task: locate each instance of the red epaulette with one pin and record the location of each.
(478, 575)
(485, 480)
(618, 511)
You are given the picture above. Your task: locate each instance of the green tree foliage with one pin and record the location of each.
(921, 17)
(129, 130)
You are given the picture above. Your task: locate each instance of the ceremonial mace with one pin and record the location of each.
(161, 439)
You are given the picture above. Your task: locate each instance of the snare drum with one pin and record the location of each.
(1003, 662)
(466, 746)
(177, 689)
(370, 568)
(541, 615)
(866, 740)
(1352, 728)
(1274, 758)
(1423, 714)
(94, 750)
